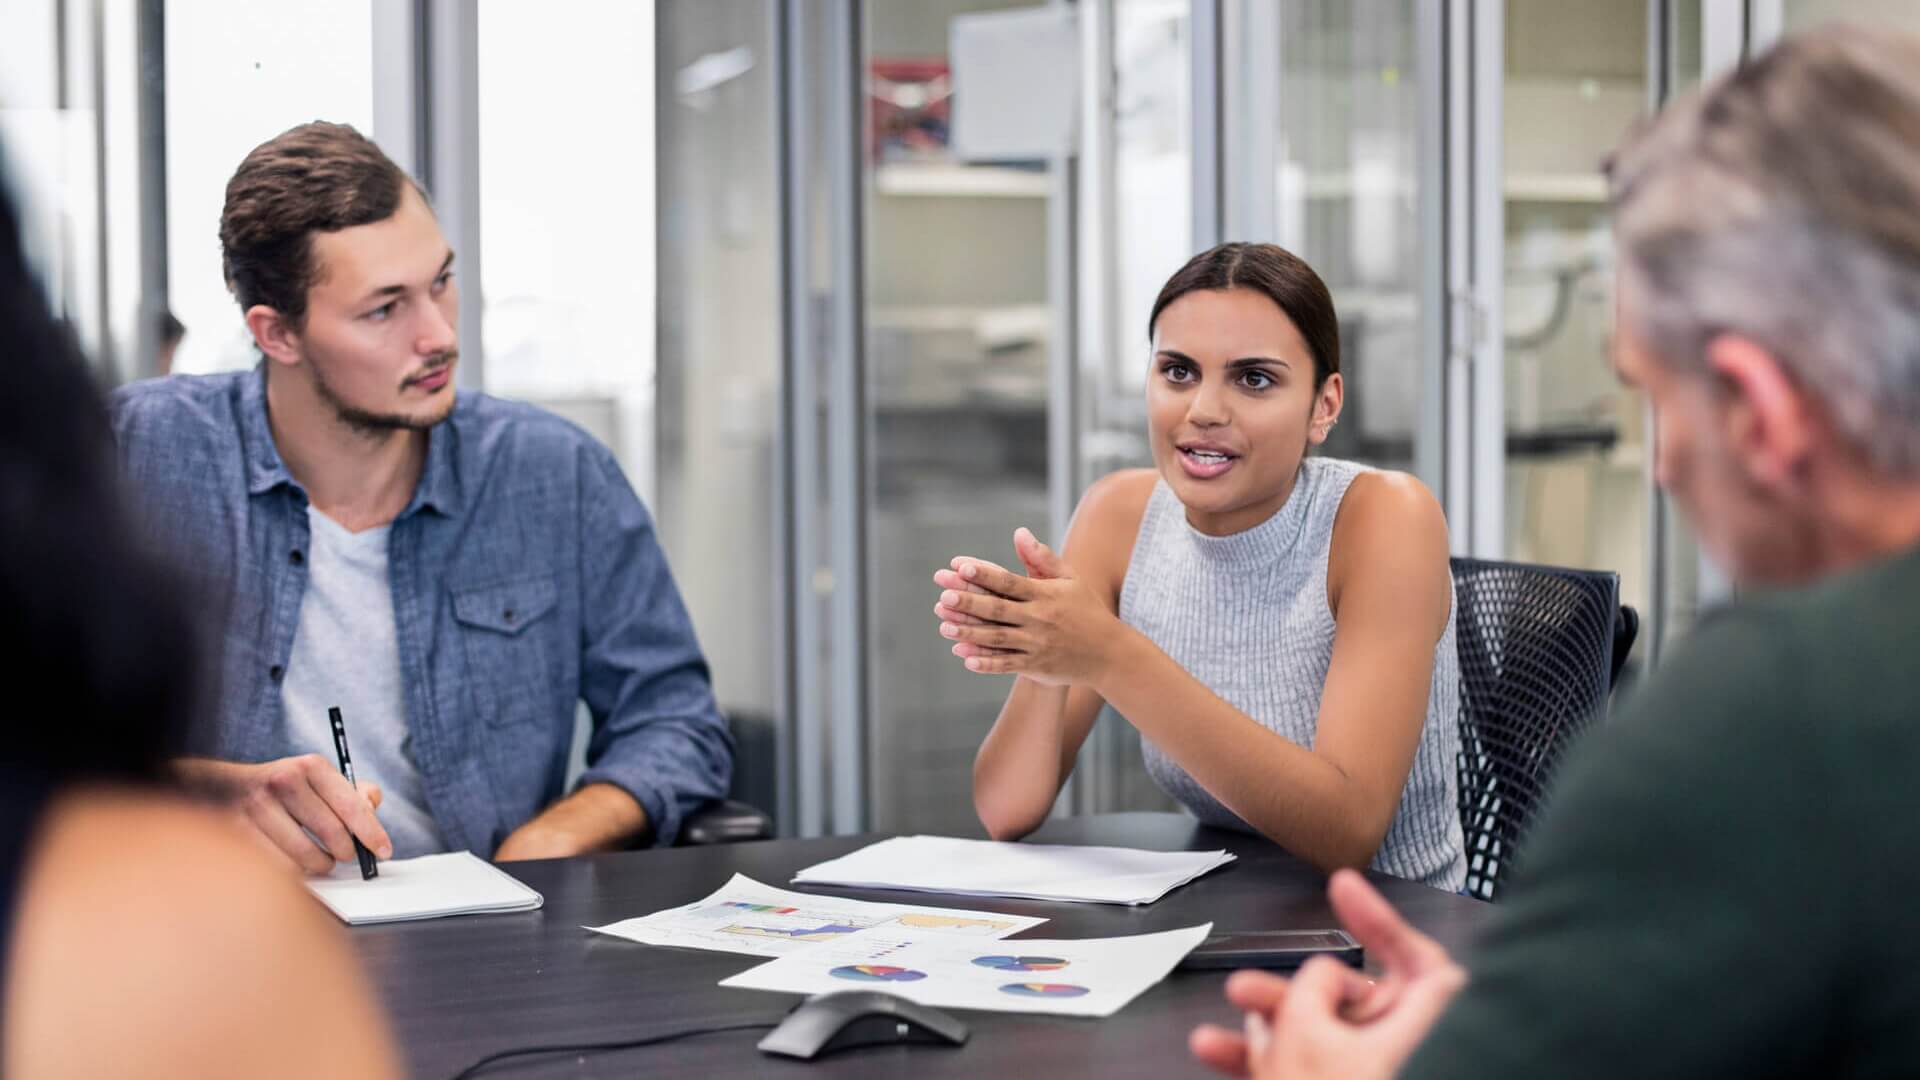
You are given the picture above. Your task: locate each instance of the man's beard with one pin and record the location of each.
(369, 423)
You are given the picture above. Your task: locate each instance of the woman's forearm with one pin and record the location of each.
(1017, 773)
(1300, 800)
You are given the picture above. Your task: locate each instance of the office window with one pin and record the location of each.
(238, 73)
(567, 215)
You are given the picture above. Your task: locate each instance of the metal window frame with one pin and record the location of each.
(1430, 165)
(1096, 296)
(1487, 260)
(150, 119)
(1066, 416)
(1459, 309)
(849, 467)
(825, 680)
(106, 347)
(1208, 73)
(783, 571)
(799, 436)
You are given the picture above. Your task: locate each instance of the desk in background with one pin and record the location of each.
(458, 989)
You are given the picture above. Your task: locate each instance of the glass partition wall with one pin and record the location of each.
(958, 340)
(1576, 77)
(718, 391)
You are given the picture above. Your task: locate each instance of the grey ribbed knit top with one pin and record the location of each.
(1247, 615)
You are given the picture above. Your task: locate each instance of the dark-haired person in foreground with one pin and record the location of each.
(1277, 626)
(1724, 882)
(455, 572)
(140, 935)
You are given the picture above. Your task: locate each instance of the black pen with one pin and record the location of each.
(367, 868)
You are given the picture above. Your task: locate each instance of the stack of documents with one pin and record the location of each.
(1102, 875)
(457, 883)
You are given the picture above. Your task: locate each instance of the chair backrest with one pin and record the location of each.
(1539, 648)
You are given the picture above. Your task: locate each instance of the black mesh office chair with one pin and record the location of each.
(738, 817)
(725, 821)
(1540, 648)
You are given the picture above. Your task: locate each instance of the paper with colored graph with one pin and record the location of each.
(1086, 977)
(744, 916)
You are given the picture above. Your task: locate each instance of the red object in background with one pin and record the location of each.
(908, 109)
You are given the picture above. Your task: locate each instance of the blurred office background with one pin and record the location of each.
(854, 287)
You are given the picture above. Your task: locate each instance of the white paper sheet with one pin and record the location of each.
(1089, 977)
(1021, 70)
(428, 887)
(744, 916)
(1069, 872)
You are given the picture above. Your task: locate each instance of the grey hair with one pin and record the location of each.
(1782, 204)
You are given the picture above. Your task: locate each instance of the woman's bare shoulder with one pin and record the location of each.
(1389, 528)
(1100, 542)
(1384, 498)
(1119, 498)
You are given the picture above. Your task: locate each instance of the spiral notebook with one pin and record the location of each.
(427, 887)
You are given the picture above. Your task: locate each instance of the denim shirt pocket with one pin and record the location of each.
(509, 652)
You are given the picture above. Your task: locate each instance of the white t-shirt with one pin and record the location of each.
(346, 654)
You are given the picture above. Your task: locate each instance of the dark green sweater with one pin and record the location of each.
(1727, 878)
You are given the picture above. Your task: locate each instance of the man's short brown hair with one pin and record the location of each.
(318, 177)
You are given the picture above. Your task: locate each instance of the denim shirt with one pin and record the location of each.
(526, 578)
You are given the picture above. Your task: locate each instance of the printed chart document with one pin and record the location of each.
(1104, 875)
(1089, 977)
(744, 916)
(457, 883)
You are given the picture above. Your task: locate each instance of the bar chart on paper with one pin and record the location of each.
(744, 916)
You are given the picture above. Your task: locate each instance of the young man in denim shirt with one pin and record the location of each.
(455, 572)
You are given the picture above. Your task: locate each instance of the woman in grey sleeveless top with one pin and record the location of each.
(1279, 628)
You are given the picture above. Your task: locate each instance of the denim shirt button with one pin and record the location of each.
(295, 557)
(275, 672)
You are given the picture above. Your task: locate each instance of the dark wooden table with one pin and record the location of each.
(458, 989)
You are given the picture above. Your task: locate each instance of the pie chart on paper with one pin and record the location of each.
(877, 973)
(1021, 963)
(1033, 989)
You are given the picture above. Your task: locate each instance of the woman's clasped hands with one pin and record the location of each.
(1047, 625)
